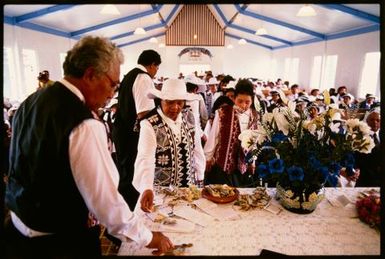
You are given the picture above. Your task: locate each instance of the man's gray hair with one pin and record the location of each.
(91, 51)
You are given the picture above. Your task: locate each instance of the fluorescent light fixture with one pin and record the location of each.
(306, 11)
(154, 40)
(230, 46)
(139, 31)
(110, 9)
(161, 45)
(261, 31)
(242, 42)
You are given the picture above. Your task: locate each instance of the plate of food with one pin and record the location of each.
(220, 193)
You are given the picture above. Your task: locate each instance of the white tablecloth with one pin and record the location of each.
(329, 230)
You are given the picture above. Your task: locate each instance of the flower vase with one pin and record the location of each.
(299, 201)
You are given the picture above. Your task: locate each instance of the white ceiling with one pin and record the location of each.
(284, 28)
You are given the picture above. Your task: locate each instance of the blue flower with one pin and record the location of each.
(278, 137)
(295, 173)
(262, 170)
(314, 162)
(335, 168)
(276, 166)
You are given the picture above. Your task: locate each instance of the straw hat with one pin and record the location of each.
(173, 89)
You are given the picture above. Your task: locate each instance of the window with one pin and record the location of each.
(316, 73)
(9, 75)
(286, 72)
(329, 75)
(370, 73)
(293, 75)
(273, 70)
(30, 71)
(291, 70)
(62, 58)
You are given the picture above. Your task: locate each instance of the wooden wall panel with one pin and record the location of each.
(195, 20)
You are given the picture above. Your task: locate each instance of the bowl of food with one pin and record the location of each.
(220, 193)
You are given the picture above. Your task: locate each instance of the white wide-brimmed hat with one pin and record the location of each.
(172, 89)
(213, 81)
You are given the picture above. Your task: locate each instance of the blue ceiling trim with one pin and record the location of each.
(352, 11)
(335, 36)
(354, 32)
(148, 28)
(281, 23)
(219, 11)
(42, 12)
(120, 20)
(250, 41)
(9, 20)
(173, 11)
(40, 28)
(157, 9)
(240, 28)
(140, 40)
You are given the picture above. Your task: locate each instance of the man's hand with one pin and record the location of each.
(146, 202)
(161, 243)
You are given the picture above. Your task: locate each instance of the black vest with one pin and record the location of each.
(124, 137)
(41, 189)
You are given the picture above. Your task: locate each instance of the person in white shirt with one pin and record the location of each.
(60, 166)
(169, 150)
(225, 157)
(133, 105)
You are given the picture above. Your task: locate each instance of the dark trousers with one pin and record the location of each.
(79, 244)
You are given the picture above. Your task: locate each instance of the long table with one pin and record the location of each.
(329, 230)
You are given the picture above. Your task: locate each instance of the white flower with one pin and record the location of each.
(267, 117)
(280, 119)
(247, 138)
(335, 127)
(261, 135)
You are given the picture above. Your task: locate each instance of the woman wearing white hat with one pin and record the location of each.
(169, 151)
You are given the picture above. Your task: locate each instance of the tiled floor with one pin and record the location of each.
(108, 248)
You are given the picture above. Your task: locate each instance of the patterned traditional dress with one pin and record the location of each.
(174, 163)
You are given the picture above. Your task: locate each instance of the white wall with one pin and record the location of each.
(351, 55)
(241, 61)
(47, 49)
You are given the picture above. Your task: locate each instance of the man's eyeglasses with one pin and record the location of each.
(115, 85)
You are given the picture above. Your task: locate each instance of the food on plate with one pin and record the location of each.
(162, 219)
(220, 190)
(259, 199)
(178, 250)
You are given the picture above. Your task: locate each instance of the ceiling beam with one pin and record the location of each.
(240, 28)
(140, 40)
(352, 11)
(148, 28)
(157, 9)
(223, 17)
(250, 41)
(113, 22)
(280, 23)
(42, 12)
(173, 11)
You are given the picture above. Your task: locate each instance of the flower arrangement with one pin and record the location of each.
(304, 154)
(368, 209)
